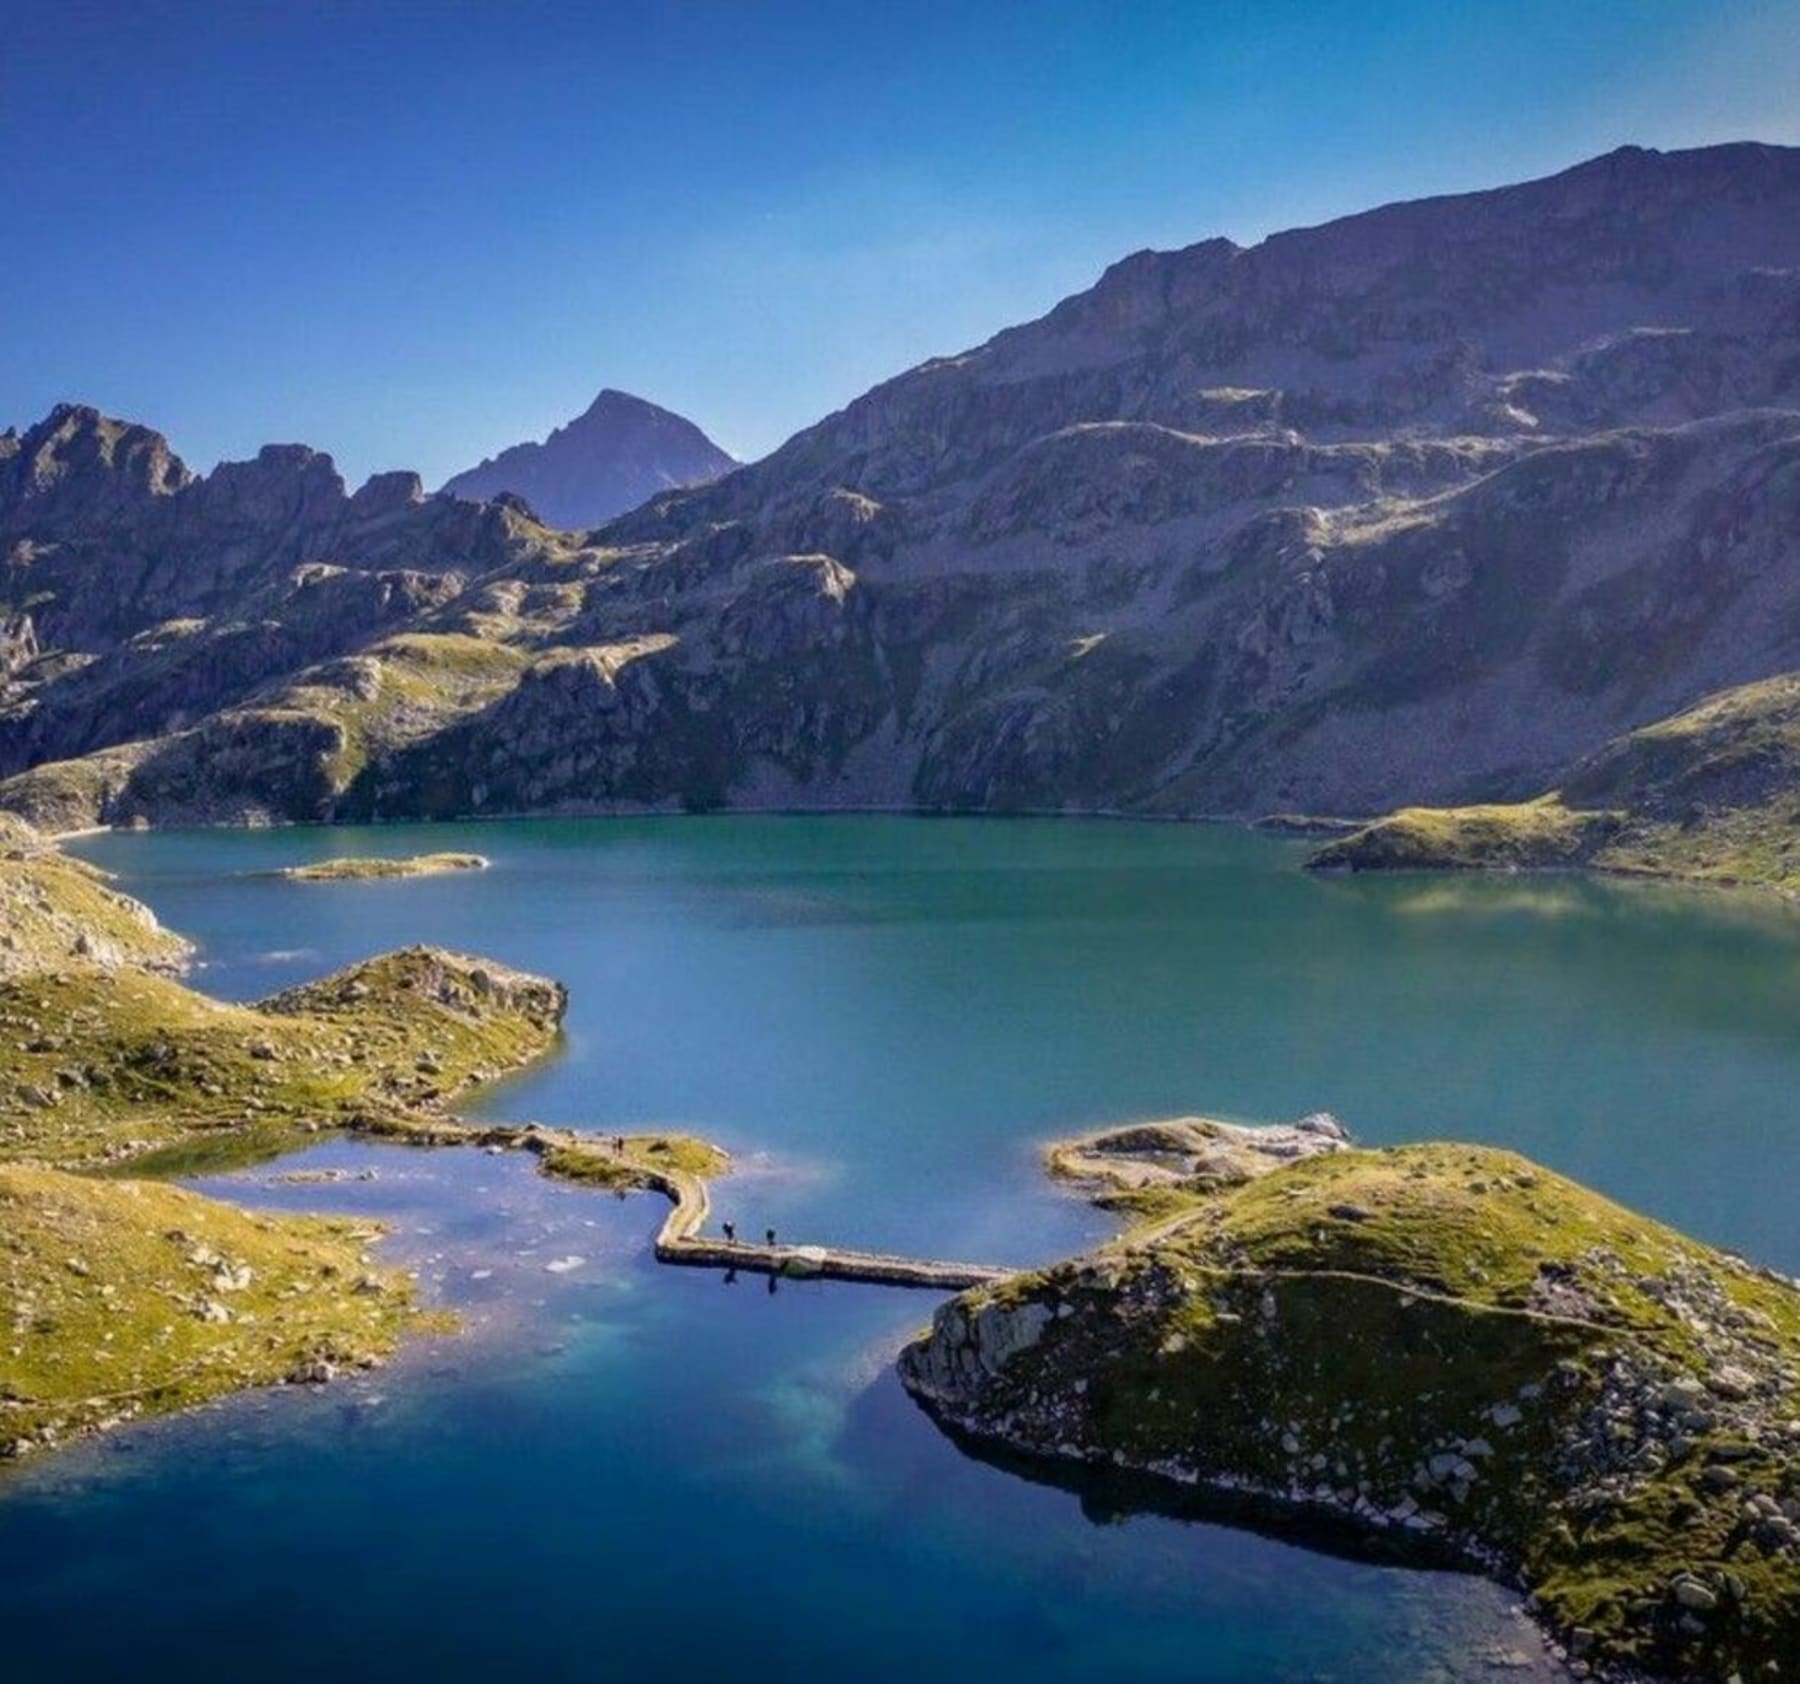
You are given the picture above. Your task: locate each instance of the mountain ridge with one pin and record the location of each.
(1420, 506)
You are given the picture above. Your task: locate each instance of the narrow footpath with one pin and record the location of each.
(633, 1162)
(679, 1241)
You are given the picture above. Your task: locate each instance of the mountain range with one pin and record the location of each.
(617, 453)
(1426, 505)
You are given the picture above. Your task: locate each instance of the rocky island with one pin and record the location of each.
(384, 869)
(1445, 1345)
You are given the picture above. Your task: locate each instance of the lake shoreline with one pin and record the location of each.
(1278, 827)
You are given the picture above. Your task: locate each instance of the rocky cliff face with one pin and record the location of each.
(616, 454)
(1419, 506)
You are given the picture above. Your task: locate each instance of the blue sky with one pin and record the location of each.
(413, 231)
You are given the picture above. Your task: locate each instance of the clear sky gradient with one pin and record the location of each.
(413, 231)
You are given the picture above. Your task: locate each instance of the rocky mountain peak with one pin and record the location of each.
(610, 401)
(618, 452)
(79, 464)
(1150, 284)
(385, 493)
(284, 484)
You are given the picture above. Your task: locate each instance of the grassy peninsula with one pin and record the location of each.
(56, 911)
(123, 1066)
(1441, 1344)
(127, 1298)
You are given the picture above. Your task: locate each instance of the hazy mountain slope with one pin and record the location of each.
(1637, 288)
(612, 457)
(1418, 506)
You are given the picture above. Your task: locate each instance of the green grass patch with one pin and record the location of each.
(126, 1298)
(1530, 835)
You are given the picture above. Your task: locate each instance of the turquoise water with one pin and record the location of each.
(624, 1467)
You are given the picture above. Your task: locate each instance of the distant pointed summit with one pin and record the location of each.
(620, 451)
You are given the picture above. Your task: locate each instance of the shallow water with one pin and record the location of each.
(622, 1465)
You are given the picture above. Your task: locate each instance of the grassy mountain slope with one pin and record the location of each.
(1712, 794)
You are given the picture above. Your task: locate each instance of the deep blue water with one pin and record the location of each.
(625, 1467)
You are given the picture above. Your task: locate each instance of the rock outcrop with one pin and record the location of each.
(1418, 507)
(1142, 1167)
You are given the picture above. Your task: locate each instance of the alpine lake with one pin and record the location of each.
(616, 1468)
